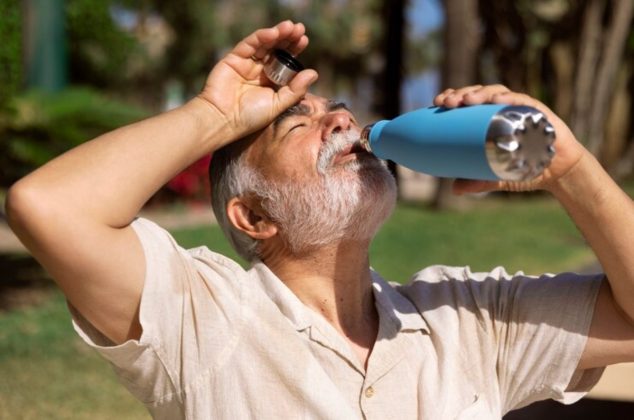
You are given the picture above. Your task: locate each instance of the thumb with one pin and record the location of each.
(290, 94)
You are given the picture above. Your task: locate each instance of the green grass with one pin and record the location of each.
(46, 372)
(533, 235)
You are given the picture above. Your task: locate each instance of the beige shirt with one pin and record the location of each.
(220, 342)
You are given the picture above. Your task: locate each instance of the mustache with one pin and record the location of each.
(334, 145)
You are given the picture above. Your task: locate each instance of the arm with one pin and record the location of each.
(605, 216)
(74, 213)
(601, 210)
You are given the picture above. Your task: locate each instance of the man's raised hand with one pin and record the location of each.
(238, 90)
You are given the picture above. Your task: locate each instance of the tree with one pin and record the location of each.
(600, 57)
(460, 61)
(391, 79)
(99, 51)
(570, 54)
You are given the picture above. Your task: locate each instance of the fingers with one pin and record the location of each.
(296, 42)
(478, 94)
(453, 97)
(468, 186)
(469, 95)
(295, 90)
(297, 47)
(286, 35)
(513, 98)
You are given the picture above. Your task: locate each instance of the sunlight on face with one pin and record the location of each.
(350, 200)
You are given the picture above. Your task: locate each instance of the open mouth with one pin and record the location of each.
(350, 152)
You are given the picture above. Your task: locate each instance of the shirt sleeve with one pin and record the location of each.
(523, 334)
(539, 327)
(189, 313)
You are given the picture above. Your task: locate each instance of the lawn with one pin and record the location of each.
(45, 372)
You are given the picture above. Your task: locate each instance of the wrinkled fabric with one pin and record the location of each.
(221, 342)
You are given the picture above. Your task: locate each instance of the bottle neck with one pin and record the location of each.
(365, 137)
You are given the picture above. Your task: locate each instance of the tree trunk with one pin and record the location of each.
(626, 166)
(613, 47)
(505, 35)
(617, 123)
(563, 63)
(461, 43)
(589, 49)
(394, 24)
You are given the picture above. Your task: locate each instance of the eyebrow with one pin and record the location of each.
(295, 110)
(335, 105)
(302, 110)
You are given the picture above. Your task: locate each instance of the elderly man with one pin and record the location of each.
(310, 331)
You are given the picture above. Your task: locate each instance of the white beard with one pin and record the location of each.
(348, 202)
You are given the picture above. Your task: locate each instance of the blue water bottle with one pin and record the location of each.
(484, 142)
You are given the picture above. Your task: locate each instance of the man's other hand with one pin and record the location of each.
(568, 150)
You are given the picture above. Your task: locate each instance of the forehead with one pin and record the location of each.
(265, 146)
(310, 105)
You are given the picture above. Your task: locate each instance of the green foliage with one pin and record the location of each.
(343, 33)
(423, 53)
(197, 34)
(38, 126)
(341, 28)
(99, 50)
(10, 49)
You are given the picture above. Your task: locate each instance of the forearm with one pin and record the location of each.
(605, 216)
(108, 179)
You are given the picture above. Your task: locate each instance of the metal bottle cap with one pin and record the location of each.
(519, 143)
(282, 67)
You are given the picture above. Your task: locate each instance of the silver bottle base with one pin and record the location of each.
(519, 143)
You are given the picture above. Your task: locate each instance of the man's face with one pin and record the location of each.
(320, 185)
(289, 148)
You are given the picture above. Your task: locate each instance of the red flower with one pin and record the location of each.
(192, 183)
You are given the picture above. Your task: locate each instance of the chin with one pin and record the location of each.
(378, 193)
(350, 203)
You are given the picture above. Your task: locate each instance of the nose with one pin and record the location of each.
(335, 122)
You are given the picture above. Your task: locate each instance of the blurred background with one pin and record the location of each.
(73, 69)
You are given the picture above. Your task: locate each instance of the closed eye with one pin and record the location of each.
(296, 126)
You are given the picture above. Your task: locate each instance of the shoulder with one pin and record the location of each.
(158, 243)
(172, 271)
(458, 298)
(459, 284)
(498, 295)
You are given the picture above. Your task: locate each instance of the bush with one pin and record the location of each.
(37, 126)
(10, 49)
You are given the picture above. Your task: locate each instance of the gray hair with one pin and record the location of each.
(231, 176)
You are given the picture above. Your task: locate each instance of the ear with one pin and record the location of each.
(249, 218)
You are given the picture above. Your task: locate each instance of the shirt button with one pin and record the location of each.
(369, 392)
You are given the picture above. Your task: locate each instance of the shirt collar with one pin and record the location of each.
(287, 302)
(394, 306)
(389, 302)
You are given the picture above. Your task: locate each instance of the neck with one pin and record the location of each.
(334, 281)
